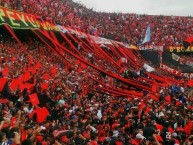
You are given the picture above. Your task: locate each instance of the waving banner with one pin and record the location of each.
(19, 20)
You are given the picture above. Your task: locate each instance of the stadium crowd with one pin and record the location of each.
(127, 28)
(77, 112)
(48, 101)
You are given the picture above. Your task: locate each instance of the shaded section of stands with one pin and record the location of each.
(167, 59)
(151, 56)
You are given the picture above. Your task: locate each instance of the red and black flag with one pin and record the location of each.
(187, 42)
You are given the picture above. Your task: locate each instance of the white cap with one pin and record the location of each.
(140, 136)
(70, 111)
(161, 114)
(174, 134)
(150, 100)
(168, 111)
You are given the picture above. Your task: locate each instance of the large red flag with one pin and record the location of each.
(44, 86)
(5, 71)
(153, 97)
(42, 114)
(26, 77)
(168, 99)
(34, 99)
(15, 83)
(2, 83)
(188, 127)
(190, 83)
(154, 88)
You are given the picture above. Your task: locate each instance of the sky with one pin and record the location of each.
(150, 7)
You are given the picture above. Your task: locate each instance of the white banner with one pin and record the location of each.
(100, 40)
(151, 47)
(148, 68)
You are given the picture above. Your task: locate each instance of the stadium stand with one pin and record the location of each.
(127, 28)
(57, 88)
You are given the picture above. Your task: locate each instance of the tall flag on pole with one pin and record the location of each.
(147, 35)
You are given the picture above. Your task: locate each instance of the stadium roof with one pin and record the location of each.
(150, 7)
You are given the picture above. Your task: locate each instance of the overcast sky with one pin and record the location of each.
(155, 7)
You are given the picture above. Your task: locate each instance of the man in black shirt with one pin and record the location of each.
(148, 130)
